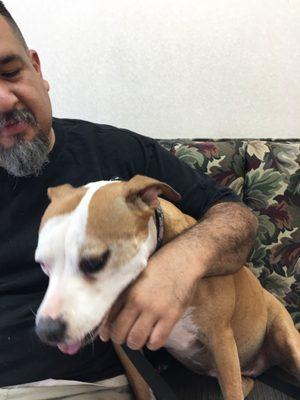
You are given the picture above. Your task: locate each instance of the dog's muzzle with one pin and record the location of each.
(51, 331)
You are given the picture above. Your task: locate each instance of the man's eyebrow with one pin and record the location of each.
(10, 58)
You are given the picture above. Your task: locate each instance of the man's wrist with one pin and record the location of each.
(180, 258)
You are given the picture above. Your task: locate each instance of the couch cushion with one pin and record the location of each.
(272, 190)
(224, 160)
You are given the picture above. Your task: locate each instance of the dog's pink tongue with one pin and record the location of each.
(71, 348)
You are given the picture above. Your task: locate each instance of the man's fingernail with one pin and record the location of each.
(151, 345)
(134, 346)
(103, 338)
(103, 334)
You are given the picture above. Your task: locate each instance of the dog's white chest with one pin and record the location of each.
(185, 344)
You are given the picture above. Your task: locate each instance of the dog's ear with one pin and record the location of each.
(59, 192)
(148, 189)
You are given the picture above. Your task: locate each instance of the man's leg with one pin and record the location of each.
(84, 391)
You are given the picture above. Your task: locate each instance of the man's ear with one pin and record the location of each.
(35, 61)
(147, 190)
(61, 191)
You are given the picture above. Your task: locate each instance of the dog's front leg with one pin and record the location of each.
(225, 355)
(139, 387)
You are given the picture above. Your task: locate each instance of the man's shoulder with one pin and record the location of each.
(110, 150)
(103, 133)
(79, 125)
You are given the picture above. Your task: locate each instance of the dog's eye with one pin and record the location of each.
(93, 265)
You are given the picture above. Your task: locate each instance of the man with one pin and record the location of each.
(38, 151)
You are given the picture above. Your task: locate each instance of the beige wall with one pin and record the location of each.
(171, 68)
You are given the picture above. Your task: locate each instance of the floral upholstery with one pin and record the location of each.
(266, 176)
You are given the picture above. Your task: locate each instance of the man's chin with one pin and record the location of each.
(7, 142)
(24, 154)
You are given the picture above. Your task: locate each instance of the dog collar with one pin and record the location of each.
(159, 219)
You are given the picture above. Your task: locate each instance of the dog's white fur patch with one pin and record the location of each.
(184, 343)
(184, 333)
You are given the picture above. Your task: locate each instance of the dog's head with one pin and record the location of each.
(93, 242)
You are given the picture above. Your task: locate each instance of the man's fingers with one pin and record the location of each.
(121, 326)
(160, 334)
(118, 326)
(140, 331)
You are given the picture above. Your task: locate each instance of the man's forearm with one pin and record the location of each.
(220, 242)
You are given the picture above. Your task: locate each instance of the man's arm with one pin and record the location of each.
(222, 240)
(149, 309)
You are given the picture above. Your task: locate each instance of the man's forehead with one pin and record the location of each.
(10, 44)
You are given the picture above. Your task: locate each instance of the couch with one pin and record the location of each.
(265, 174)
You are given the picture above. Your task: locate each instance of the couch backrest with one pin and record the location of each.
(266, 176)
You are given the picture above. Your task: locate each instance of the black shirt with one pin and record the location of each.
(83, 152)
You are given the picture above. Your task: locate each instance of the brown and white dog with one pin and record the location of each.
(96, 239)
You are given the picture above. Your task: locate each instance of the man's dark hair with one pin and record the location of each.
(6, 14)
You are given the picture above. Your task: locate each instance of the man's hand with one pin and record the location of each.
(147, 311)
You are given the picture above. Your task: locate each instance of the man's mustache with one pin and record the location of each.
(17, 116)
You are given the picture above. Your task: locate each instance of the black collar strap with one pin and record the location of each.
(159, 219)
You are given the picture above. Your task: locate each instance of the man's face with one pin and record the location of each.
(26, 133)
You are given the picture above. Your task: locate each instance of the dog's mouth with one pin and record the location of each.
(72, 347)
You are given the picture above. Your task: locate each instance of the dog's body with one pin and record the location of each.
(232, 329)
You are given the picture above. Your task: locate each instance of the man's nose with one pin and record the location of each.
(8, 98)
(51, 331)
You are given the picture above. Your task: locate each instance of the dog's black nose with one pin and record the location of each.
(51, 331)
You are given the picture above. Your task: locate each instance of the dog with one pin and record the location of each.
(96, 239)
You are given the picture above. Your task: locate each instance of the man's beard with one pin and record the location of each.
(25, 157)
